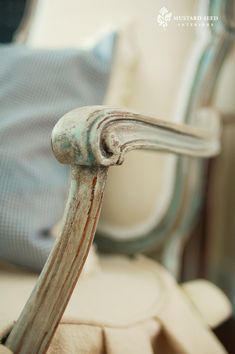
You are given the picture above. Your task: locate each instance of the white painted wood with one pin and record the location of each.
(90, 139)
(34, 329)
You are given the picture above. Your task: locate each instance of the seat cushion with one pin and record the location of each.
(125, 306)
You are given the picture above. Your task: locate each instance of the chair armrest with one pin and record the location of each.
(91, 139)
(97, 135)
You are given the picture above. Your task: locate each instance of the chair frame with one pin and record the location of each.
(91, 139)
(165, 240)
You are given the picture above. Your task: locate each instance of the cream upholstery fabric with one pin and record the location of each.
(4, 350)
(124, 306)
(140, 197)
(162, 56)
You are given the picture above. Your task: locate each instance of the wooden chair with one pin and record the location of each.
(91, 139)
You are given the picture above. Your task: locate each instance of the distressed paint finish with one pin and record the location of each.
(34, 329)
(90, 139)
(102, 136)
(164, 241)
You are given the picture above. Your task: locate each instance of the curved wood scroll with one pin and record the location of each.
(103, 135)
(90, 139)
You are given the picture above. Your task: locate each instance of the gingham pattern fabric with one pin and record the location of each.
(36, 88)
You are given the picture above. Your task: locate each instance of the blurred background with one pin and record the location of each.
(162, 55)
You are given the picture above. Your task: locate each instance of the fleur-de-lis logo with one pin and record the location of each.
(164, 16)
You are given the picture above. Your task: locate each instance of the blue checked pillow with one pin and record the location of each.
(37, 87)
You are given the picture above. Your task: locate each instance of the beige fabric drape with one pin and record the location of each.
(124, 306)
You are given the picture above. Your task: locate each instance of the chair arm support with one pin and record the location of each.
(91, 139)
(99, 135)
(40, 317)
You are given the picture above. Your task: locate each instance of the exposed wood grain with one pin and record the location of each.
(34, 329)
(93, 138)
(103, 135)
(165, 238)
(90, 139)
